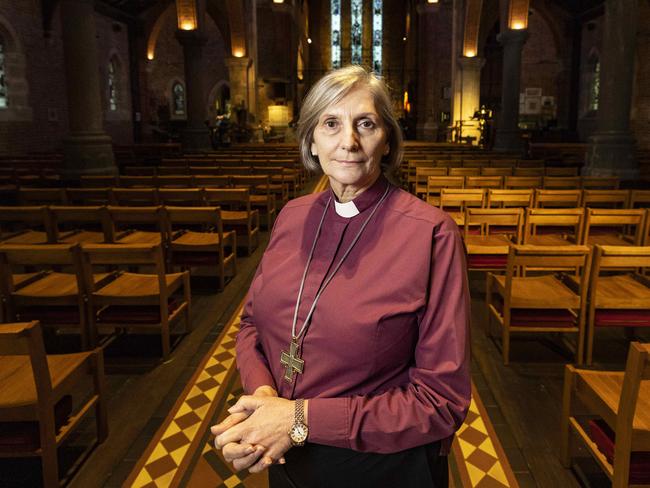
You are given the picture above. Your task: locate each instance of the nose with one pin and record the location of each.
(349, 138)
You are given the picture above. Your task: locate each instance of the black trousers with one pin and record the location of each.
(318, 466)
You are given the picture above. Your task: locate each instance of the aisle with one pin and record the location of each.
(181, 452)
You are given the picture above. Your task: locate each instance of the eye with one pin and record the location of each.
(367, 124)
(331, 123)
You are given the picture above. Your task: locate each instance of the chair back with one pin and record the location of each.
(42, 196)
(90, 215)
(509, 198)
(519, 171)
(618, 218)
(495, 221)
(135, 197)
(38, 216)
(522, 182)
(637, 370)
(173, 170)
(464, 171)
(484, 182)
(562, 182)
(640, 199)
(212, 181)
(137, 181)
(459, 197)
(562, 171)
(135, 217)
(209, 217)
(557, 198)
(230, 197)
(606, 198)
(617, 257)
(489, 171)
(186, 197)
(551, 217)
(600, 182)
(175, 181)
(92, 181)
(89, 196)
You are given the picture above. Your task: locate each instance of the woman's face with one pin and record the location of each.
(350, 140)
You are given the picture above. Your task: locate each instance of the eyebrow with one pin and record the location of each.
(360, 116)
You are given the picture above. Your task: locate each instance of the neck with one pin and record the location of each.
(347, 193)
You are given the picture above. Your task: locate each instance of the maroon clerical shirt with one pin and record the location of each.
(386, 354)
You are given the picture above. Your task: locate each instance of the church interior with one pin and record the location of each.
(147, 147)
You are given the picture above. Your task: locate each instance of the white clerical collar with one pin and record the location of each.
(347, 209)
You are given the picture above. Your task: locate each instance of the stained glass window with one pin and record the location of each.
(357, 30)
(377, 18)
(336, 33)
(178, 96)
(112, 89)
(594, 91)
(3, 83)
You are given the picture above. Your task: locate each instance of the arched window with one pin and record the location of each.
(178, 98)
(594, 86)
(4, 102)
(112, 85)
(377, 20)
(335, 9)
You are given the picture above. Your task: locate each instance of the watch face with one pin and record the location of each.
(298, 433)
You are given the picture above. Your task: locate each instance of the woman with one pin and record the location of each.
(354, 335)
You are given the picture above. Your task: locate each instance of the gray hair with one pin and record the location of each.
(329, 90)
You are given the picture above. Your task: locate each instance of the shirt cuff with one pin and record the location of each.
(329, 421)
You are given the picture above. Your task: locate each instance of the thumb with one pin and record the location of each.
(246, 402)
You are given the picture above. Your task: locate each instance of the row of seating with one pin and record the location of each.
(574, 289)
(453, 199)
(72, 289)
(427, 187)
(455, 170)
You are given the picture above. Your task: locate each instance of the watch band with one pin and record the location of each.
(300, 411)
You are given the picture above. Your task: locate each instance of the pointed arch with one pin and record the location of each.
(14, 77)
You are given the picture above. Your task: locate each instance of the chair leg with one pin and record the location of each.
(166, 340)
(101, 416)
(565, 430)
(49, 460)
(505, 344)
(590, 336)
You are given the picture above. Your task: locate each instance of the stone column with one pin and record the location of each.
(428, 72)
(612, 148)
(238, 72)
(87, 148)
(195, 136)
(507, 136)
(470, 95)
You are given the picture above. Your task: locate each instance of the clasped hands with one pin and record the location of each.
(255, 434)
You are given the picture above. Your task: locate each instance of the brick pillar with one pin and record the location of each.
(507, 136)
(195, 136)
(87, 148)
(612, 147)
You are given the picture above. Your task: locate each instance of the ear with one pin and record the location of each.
(314, 152)
(386, 149)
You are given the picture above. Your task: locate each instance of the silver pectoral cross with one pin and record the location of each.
(292, 362)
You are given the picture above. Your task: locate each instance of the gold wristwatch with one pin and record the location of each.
(299, 430)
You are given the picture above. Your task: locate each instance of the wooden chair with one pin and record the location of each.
(557, 198)
(484, 182)
(421, 177)
(545, 303)
(197, 238)
(522, 182)
(614, 227)
(137, 181)
(141, 225)
(606, 198)
(562, 182)
(26, 225)
(562, 171)
(175, 181)
(498, 228)
(181, 197)
(76, 224)
(618, 438)
(135, 301)
(436, 183)
(455, 201)
(599, 183)
(278, 187)
(553, 227)
(474, 163)
(489, 171)
(135, 197)
(619, 296)
(237, 214)
(260, 195)
(209, 181)
(640, 199)
(89, 196)
(528, 171)
(464, 171)
(509, 198)
(42, 196)
(36, 396)
(54, 294)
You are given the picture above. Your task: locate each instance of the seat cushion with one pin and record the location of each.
(25, 436)
(604, 437)
(488, 261)
(538, 317)
(622, 318)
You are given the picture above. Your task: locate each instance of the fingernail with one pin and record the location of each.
(250, 449)
(283, 461)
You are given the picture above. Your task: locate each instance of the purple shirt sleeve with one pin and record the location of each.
(251, 362)
(433, 405)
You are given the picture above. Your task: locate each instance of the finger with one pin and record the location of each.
(235, 450)
(261, 465)
(246, 403)
(233, 434)
(228, 422)
(247, 461)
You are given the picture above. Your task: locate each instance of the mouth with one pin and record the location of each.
(346, 161)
